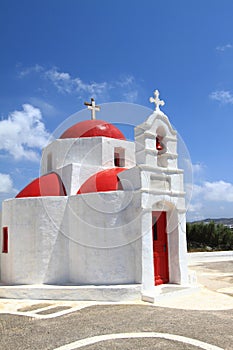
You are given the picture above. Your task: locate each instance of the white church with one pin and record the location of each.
(106, 220)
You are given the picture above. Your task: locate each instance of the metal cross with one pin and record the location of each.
(92, 106)
(157, 101)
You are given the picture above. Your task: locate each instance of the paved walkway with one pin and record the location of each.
(216, 287)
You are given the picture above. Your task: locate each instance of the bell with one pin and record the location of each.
(159, 145)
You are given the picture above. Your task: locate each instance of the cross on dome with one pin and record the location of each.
(92, 106)
(156, 100)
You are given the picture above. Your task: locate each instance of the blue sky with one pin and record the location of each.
(57, 53)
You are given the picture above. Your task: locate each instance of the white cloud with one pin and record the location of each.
(218, 191)
(128, 88)
(23, 133)
(214, 191)
(198, 168)
(6, 187)
(223, 96)
(34, 69)
(224, 47)
(65, 83)
(46, 108)
(196, 207)
(74, 85)
(62, 81)
(125, 81)
(209, 199)
(6, 183)
(131, 96)
(197, 190)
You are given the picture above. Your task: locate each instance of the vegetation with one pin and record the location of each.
(209, 237)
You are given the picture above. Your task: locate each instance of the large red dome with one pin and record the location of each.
(103, 181)
(46, 185)
(93, 128)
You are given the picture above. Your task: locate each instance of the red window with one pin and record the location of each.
(5, 239)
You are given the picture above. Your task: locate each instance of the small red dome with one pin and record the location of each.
(103, 181)
(46, 185)
(93, 128)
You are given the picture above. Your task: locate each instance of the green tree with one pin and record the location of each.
(202, 235)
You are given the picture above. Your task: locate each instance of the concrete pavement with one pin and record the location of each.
(215, 277)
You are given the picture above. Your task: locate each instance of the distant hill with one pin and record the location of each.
(224, 221)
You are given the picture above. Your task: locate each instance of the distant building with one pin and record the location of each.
(229, 226)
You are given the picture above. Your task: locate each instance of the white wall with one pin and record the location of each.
(147, 256)
(37, 246)
(75, 160)
(67, 151)
(96, 151)
(104, 238)
(84, 239)
(74, 175)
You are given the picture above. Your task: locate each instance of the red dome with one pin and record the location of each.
(103, 181)
(46, 185)
(92, 128)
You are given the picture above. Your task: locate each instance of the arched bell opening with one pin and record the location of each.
(161, 146)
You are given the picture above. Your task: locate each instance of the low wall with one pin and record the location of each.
(194, 258)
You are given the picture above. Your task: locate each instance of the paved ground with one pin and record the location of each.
(216, 293)
(201, 320)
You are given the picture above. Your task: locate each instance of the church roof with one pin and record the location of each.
(93, 128)
(46, 185)
(103, 181)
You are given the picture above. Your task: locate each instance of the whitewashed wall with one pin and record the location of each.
(37, 248)
(85, 239)
(105, 238)
(75, 160)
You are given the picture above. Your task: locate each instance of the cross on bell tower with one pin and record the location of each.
(156, 100)
(92, 106)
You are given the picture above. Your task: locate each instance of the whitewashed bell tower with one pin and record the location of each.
(156, 140)
(160, 183)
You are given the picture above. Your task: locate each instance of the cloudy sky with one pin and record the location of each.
(56, 54)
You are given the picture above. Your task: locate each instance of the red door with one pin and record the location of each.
(160, 250)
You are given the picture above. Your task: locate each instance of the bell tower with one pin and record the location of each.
(156, 140)
(160, 185)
